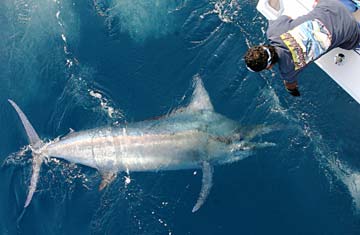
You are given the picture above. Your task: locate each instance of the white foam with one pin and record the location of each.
(63, 37)
(226, 11)
(105, 105)
(143, 19)
(351, 178)
(342, 171)
(127, 180)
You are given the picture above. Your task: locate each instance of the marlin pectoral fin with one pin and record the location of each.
(107, 178)
(207, 170)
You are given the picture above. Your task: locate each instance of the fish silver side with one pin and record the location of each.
(189, 138)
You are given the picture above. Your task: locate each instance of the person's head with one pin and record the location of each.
(259, 58)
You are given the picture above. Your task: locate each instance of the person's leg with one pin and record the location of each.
(350, 5)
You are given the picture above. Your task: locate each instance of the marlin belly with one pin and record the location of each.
(115, 150)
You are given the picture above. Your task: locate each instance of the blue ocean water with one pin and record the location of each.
(83, 64)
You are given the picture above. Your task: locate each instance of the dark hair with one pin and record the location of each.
(256, 58)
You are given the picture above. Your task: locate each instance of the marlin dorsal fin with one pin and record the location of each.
(200, 98)
(207, 171)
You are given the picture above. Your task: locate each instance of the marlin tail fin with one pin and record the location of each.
(35, 143)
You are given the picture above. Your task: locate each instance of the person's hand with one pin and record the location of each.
(292, 88)
(294, 92)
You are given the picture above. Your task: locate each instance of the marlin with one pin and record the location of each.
(190, 137)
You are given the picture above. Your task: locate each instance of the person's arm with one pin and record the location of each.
(356, 14)
(292, 88)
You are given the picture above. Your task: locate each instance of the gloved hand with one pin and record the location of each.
(294, 92)
(292, 88)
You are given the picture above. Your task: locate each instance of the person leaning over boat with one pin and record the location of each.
(294, 43)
